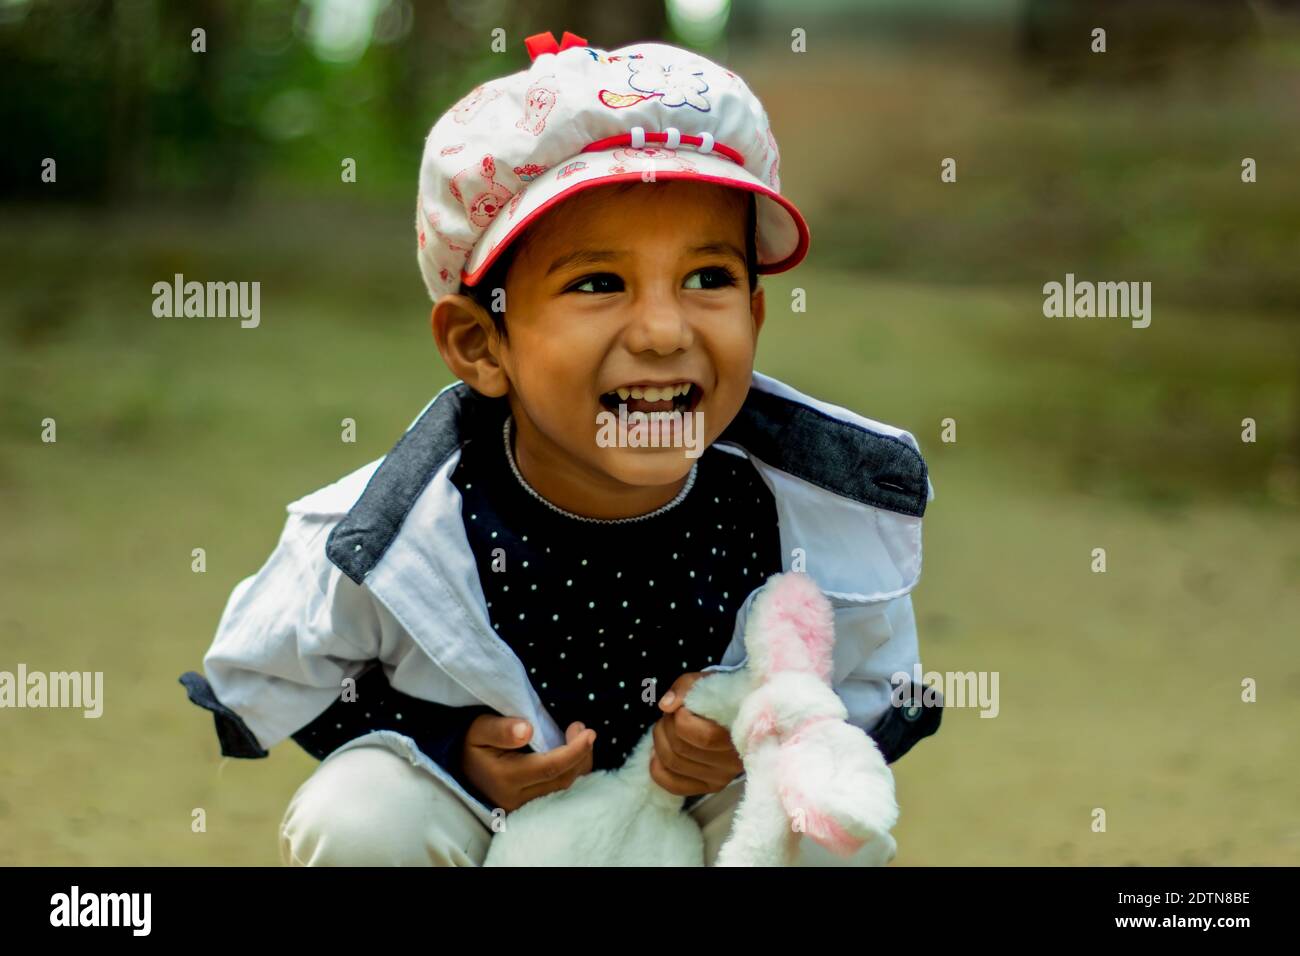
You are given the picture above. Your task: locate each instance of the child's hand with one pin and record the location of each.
(493, 761)
(693, 754)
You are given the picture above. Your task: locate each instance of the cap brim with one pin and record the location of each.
(782, 240)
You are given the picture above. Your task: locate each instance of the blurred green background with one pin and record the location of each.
(1118, 690)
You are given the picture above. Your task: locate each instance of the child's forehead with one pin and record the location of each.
(631, 224)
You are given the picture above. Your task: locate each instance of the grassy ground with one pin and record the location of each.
(1118, 691)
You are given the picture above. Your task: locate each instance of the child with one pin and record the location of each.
(498, 605)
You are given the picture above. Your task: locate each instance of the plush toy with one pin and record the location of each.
(808, 773)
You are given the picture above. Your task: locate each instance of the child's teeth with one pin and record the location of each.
(651, 393)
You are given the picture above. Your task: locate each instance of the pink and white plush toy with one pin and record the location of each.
(808, 773)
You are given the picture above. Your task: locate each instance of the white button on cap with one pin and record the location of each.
(674, 137)
(707, 145)
(638, 137)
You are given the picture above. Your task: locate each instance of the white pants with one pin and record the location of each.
(368, 806)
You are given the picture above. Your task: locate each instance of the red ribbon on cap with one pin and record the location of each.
(540, 43)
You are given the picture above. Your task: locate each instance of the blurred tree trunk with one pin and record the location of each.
(123, 145)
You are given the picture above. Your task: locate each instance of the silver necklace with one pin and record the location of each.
(510, 456)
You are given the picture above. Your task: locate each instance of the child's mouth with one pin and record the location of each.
(681, 397)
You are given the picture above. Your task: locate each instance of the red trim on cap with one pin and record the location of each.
(540, 43)
(789, 262)
(690, 139)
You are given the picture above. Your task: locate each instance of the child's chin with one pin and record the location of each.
(647, 466)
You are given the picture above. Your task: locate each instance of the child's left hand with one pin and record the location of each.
(692, 754)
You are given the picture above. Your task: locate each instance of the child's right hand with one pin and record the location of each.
(493, 760)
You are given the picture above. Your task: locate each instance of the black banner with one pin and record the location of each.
(330, 906)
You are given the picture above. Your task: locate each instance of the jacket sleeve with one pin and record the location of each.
(287, 638)
(879, 693)
(437, 729)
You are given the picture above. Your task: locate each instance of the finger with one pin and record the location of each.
(673, 697)
(532, 791)
(725, 759)
(533, 769)
(667, 726)
(700, 732)
(717, 748)
(504, 733)
(676, 783)
(710, 773)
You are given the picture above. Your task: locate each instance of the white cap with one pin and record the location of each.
(581, 117)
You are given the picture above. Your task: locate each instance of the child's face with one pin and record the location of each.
(613, 288)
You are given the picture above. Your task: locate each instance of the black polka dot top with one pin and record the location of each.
(606, 614)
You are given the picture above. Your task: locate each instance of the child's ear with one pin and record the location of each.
(758, 308)
(469, 343)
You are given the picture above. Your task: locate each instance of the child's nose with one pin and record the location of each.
(658, 325)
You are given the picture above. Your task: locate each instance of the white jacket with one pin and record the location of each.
(378, 566)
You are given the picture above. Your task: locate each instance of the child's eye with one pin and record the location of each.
(718, 277)
(609, 281)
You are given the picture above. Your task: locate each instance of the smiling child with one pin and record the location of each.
(516, 593)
